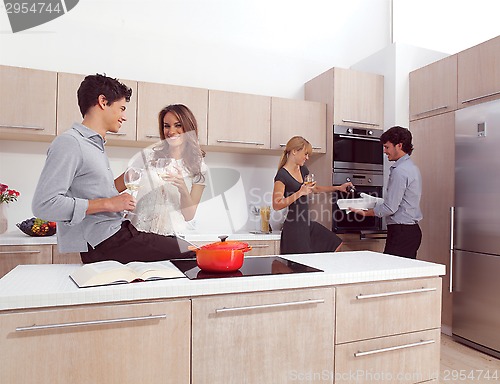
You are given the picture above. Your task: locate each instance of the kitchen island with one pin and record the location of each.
(376, 314)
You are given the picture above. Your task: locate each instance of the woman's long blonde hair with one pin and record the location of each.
(295, 143)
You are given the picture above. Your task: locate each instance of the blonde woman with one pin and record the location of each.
(299, 233)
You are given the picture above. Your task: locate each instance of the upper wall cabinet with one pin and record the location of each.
(28, 100)
(358, 98)
(239, 120)
(433, 88)
(479, 73)
(68, 111)
(153, 97)
(298, 118)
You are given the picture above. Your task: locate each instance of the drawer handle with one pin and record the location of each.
(481, 97)
(239, 142)
(395, 293)
(116, 133)
(264, 306)
(260, 246)
(19, 252)
(87, 323)
(153, 136)
(395, 348)
(360, 122)
(23, 127)
(432, 110)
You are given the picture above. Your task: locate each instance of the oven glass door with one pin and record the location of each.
(351, 152)
(349, 222)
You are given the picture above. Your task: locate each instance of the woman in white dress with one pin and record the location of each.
(168, 197)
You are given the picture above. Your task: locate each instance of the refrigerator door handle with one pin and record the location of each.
(452, 231)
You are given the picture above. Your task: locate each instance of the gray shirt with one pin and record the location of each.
(402, 201)
(76, 170)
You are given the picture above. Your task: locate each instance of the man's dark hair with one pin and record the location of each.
(95, 85)
(398, 135)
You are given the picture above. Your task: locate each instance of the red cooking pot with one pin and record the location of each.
(223, 256)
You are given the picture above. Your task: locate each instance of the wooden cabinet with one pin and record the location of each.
(434, 154)
(270, 337)
(239, 120)
(28, 100)
(65, 258)
(433, 88)
(358, 98)
(153, 97)
(353, 242)
(14, 255)
(68, 111)
(142, 343)
(388, 328)
(479, 73)
(263, 247)
(298, 118)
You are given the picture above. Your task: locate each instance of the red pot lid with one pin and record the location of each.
(225, 245)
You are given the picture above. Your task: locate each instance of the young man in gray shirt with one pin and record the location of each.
(401, 204)
(76, 187)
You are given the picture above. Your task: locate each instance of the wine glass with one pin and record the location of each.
(132, 179)
(309, 180)
(164, 167)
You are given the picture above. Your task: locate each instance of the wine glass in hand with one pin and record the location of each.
(163, 167)
(132, 179)
(309, 181)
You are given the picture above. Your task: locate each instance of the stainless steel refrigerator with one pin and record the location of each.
(476, 228)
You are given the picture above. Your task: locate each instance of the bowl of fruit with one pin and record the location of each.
(37, 227)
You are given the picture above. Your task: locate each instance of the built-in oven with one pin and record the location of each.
(369, 183)
(357, 149)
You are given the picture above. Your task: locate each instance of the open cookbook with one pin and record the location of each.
(113, 272)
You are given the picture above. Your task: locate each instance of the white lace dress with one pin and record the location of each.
(158, 207)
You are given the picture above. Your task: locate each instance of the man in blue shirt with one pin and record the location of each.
(76, 188)
(401, 205)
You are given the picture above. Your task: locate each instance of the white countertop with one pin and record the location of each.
(36, 286)
(19, 238)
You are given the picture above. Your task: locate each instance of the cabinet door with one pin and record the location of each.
(65, 258)
(353, 242)
(14, 255)
(263, 247)
(239, 120)
(433, 88)
(271, 337)
(408, 358)
(372, 310)
(68, 111)
(358, 99)
(434, 141)
(298, 118)
(135, 343)
(28, 100)
(152, 98)
(479, 74)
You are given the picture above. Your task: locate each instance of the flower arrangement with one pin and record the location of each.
(7, 195)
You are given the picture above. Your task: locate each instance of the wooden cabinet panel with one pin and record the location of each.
(68, 111)
(372, 310)
(408, 358)
(263, 247)
(479, 73)
(14, 255)
(65, 258)
(28, 100)
(298, 118)
(433, 88)
(153, 97)
(108, 344)
(262, 337)
(352, 242)
(358, 99)
(434, 154)
(239, 120)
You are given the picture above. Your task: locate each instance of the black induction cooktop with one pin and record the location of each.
(252, 266)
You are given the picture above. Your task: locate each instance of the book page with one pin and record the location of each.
(101, 273)
(155, 270)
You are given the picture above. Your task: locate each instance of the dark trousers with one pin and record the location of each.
(129, 244)
(403, 240)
